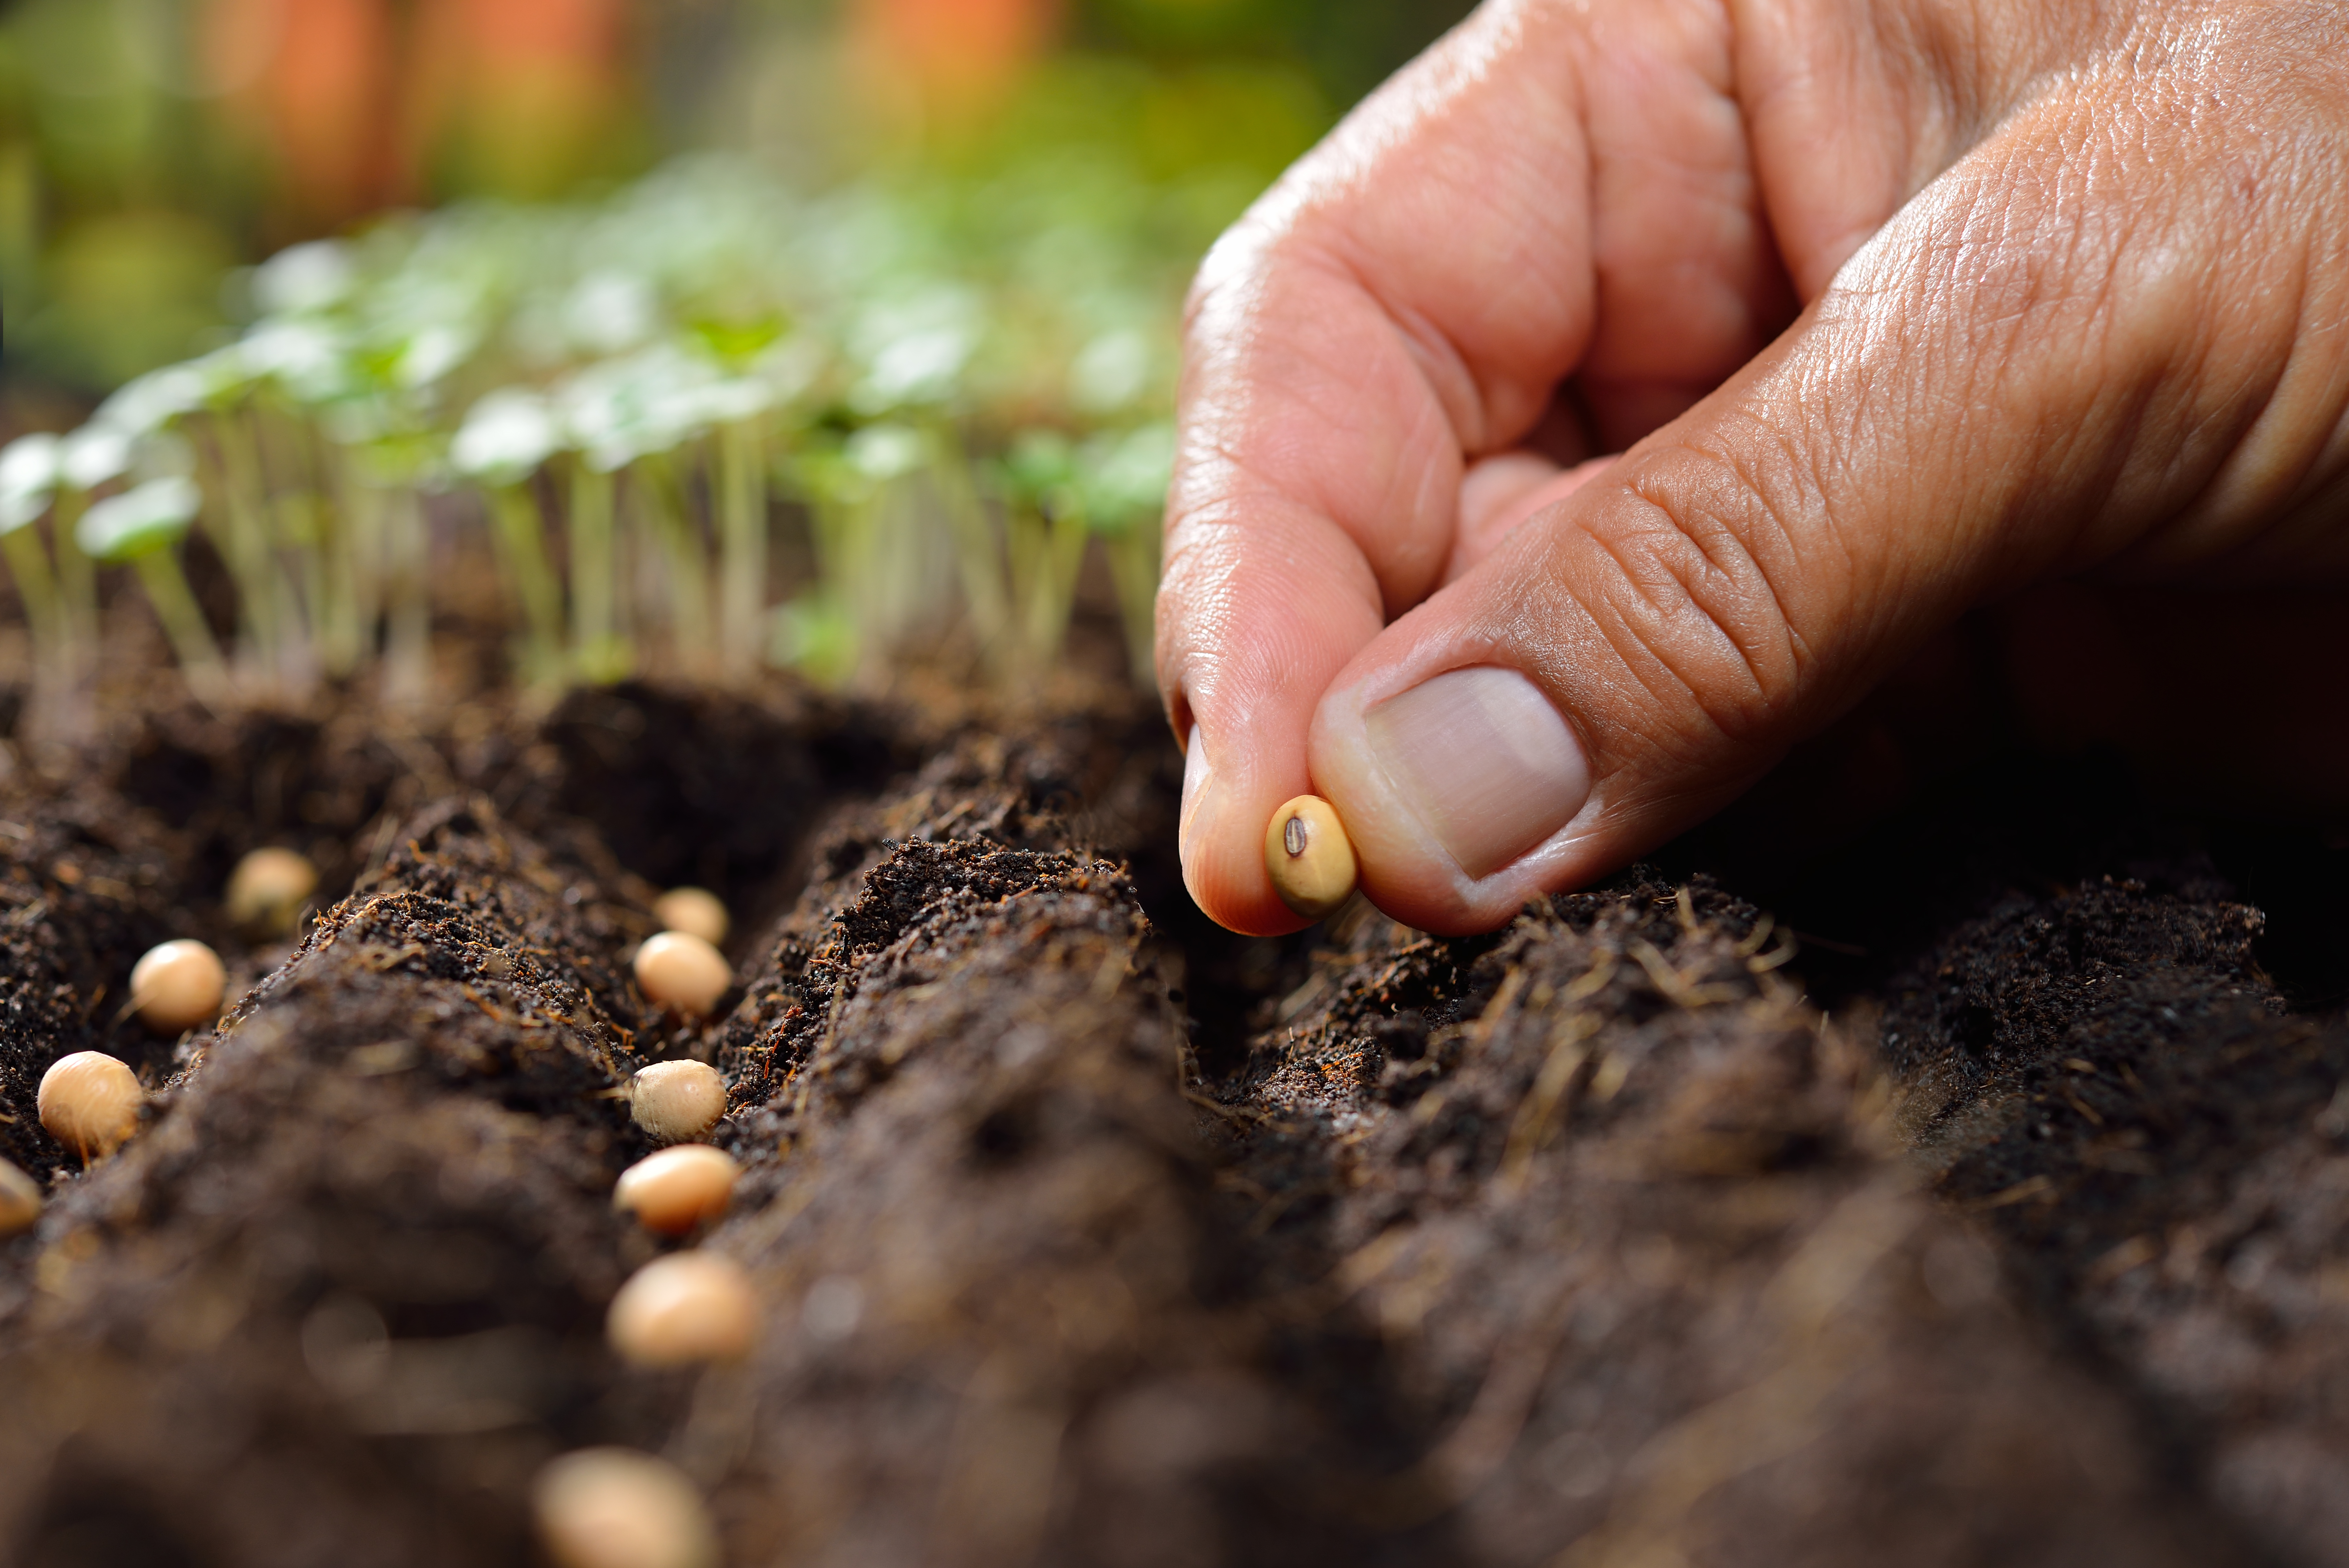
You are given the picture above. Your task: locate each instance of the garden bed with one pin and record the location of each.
(1083, 1232)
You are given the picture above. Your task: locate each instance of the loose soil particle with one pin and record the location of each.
(1082, 1233)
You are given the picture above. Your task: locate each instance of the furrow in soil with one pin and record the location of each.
(2106, 1077)
(1635, 1226)
(345, 1293)
(1014, 1324)
(1085, 1233)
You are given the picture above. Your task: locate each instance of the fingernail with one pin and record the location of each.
(1483, 761)
(1194, 784)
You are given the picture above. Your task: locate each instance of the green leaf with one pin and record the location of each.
(1123, 478)
(147, 517)
(29, 479)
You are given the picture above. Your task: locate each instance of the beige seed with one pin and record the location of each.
(89, 1102)
(685, 1308)
(267, 889)
(616, 1508)
(678, 969)
(20, 1199)
(177, 986)
(676, 1189)
(676, 1102)
(696, 912)
(1308, 857)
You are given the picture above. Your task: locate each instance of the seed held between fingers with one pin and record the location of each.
(1308, 857)
(20, 1199)
(676, 1102)
(696, 912)
(678, 969)
(685, 1308)
(89, 1102)
(616, 1508)
(267, 889)
(177, 986)
(673, 1191)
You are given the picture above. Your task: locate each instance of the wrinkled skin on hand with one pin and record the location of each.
(1890, 310)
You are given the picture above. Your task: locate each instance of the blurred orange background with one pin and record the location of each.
(354, 103)
(147, 147)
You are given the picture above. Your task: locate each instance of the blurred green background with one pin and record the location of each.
(149, 147)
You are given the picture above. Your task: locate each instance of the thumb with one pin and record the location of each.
(1988, 394)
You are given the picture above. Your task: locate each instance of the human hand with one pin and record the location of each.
(1891, 310)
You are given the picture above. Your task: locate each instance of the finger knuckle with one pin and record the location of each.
(1692, 589)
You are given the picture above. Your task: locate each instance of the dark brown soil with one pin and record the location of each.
(1087, 1235)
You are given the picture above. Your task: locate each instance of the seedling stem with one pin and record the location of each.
(36, 590)
(183, 622)
(524, 547)
(245, 543)
(405, 551)
(657, 502)
(599, 653)
(742, 546)
(975, 546)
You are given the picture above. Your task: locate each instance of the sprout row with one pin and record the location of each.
(948, 393)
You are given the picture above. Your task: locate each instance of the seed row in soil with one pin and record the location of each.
(1018, 1239)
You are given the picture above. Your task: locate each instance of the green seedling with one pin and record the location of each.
(877, 542)
(626, 386)
(501, 444)
(1045, 534)
(741, 547)
(976, 552)
(28, 482)
(241, 532)
(350, 571)
(635, 411)
(198, 397)
(521, 540)
(32, 482)
(601, 421)
(1124, 480)
(405, 549)
(336, 371)
(657, 508)
(615, 413)
(376, 484)
(599, 650)
(220, 405)
(139, 527)
(90, 457)
(639, 411)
